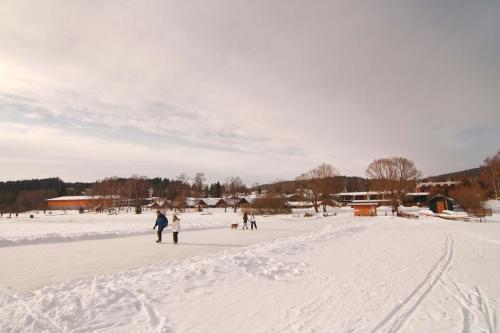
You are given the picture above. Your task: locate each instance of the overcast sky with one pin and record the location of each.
(261, 89)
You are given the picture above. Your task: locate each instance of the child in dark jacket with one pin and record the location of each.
(245, 220)
(162, 223)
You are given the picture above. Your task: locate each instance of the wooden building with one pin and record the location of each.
(439, 202)
(365, 207)
(77, 202)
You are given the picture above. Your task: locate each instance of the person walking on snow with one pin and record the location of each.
(176, 227)
(162, 223)
(252, 222)
(245, 220)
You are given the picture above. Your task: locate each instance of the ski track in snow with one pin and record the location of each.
(128, 301)
(397, 318)
(474, 304)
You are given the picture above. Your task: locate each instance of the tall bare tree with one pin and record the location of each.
(180, 190)
(233, 187)
(318, 184)
(109, 189)
(490, 172)
(394, 175)
(136, 188)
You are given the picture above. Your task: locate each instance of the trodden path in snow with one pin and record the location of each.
(30, 267)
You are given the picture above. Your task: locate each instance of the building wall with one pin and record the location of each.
(76, 204)
(365, 210)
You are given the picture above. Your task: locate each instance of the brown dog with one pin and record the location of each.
(234, 226)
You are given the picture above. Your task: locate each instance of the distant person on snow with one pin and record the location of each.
(176, 227)
(252, 222)
(245, 220)
(162, 223)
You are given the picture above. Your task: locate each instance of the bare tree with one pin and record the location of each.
(136, 188)
(198, 186)
(317, 183)
(181, 190)
(233, 187)
(108, 190)
(28, 200)
(490, 172)
(469, 197)
(394, 175)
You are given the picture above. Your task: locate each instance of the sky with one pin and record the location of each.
(264, 90)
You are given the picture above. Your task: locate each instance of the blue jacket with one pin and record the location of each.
(161, 221)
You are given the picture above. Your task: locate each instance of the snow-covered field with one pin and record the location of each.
(324, 274)
(71, 226)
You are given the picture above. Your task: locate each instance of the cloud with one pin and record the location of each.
(264, 89)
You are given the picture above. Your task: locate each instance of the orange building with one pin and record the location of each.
(365, 208)
(77, 202)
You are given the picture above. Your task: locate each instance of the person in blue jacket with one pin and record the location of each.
(162, 223)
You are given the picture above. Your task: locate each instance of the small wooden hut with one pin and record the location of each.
(439, 202)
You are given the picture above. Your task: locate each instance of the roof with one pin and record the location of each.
(364, 204)
(76, 198)
(359, 193)
(446, 183)
(211, 201)
(191, 202)
(299, 203)
(416, 194)
(440, 196)
(249, 198)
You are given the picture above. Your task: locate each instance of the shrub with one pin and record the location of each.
(271, 205)
(81, 210)
(138, 209)
(469, 197)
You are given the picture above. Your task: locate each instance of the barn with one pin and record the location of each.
(439, 202)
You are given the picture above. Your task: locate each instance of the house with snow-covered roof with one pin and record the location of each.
(211, 203)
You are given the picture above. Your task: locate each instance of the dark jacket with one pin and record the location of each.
(161, 221)
(245, 217)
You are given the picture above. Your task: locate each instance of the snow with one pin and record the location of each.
(211, 201)
(494, 205)
(299, 203)
(326, 274)
(72, 226)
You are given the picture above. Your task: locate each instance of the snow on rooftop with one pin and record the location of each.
(299, 203)
(446, 183)
(365, 202)
(211, 201)
(359, 193)
(76, 198)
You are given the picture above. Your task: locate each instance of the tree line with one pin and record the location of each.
(393, 176)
